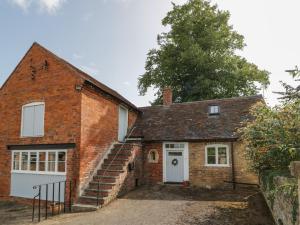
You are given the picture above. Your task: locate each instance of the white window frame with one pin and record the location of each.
(185, 151)
(22, 118)
(216, 146)
(214, 110)
(46, 172)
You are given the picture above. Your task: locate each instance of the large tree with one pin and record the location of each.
(197, 57)
(291, 93)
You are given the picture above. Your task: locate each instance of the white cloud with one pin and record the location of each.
(49, 6)
(23, 4)
(77, 56)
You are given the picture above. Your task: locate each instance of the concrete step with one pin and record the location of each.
(102, 186)
(84, 208)
(95, 192)
(115, 161)
(109, 172)
(91, 200)
(109, 179)
(113, 166)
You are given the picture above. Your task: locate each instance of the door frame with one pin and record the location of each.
(126, 109)
(185, 151)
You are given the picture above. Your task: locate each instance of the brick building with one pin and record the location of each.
(58, 123)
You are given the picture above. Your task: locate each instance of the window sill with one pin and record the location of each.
(216, 165)
(39, 173)
(32, 136)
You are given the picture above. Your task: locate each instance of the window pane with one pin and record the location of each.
(211, 151)
(51, 161)
(175, 153)
(42, 161)
(16, 159)
(28, 120)
(33, 159)
(222, 155)
(24, 163)
(211, 160)
(214, 109)
(61, 162)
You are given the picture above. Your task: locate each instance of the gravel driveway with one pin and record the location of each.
(162, 205)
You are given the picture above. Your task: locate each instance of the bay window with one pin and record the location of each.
(39, 161)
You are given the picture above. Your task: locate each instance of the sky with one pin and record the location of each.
(109, 39)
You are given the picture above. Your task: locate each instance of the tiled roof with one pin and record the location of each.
(191, 121)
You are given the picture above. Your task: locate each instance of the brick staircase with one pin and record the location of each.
(109, 178)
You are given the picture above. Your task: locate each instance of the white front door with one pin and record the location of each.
(123, 123)
(175, 162)
(174, 166)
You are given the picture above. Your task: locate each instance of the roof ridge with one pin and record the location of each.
(258, 96)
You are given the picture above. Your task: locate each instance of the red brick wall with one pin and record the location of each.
(153, 172)
(54, 86)
(99, 129)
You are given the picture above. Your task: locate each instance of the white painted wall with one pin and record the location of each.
(22, 185)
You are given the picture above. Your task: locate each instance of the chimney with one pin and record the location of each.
(167, 96)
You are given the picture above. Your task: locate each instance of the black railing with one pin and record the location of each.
(59, 204)
(107, 168)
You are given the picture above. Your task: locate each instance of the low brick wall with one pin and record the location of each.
(281, 204)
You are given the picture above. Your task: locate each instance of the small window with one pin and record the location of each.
(42, 161)
(33, 120)
(16, 165)
(214, 110)
(33, 161)
(51, 161)
(153, 156)
(217, 155)
(24, 161)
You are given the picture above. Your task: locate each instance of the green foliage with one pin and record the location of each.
(272, 138)
(197, 57)
(291, 93)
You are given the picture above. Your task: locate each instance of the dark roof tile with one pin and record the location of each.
(191, 121)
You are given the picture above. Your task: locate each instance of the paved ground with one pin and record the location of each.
(13, 214)
(164, 205)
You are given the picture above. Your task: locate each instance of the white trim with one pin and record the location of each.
(185, 151)
(22, 118)
(216, 146)
(28, 171)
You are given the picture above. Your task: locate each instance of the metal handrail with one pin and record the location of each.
(39, 196)
(105, 170)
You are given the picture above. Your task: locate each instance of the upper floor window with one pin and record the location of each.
(33, 119)
(214, 110)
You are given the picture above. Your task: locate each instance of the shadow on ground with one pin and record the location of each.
(12, 213)
(243, 206)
